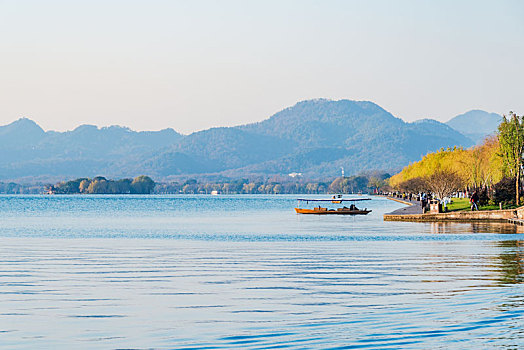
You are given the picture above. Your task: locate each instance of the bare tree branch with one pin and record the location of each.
(443, 183)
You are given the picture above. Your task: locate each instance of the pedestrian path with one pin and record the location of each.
(412, 207)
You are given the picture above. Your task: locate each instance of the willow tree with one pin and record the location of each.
(511, 140)
(483, 164)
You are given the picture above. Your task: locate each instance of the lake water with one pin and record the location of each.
(206, 272)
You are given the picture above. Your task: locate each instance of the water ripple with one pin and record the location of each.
(109, 272)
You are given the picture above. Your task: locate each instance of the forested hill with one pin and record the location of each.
(314, 137)
(28, 151)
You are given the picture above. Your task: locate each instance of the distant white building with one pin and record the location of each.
(295, 174)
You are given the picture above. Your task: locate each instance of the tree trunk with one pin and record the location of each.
(517, 186)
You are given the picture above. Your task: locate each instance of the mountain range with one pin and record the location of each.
(314, 137)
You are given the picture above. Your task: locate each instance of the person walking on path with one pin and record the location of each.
(445, 201)
(423, 203)
(474, 200)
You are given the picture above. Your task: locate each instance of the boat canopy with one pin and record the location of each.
(334, 200)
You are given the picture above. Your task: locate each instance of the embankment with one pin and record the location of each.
(504, 215)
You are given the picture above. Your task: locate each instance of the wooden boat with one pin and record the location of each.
(352, 210)
(338, 211)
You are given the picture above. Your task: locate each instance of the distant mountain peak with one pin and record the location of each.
(26, 122)
(476, 114)
(84, 128)
(426, 120)
(117, 127)
(315, 100)
(22, 124)
(476, 124)
(322, 100)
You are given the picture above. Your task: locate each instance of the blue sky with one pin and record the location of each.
(191, 65)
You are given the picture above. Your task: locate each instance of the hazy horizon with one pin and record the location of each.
(200, 64)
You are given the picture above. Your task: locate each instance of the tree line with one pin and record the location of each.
(16, 188)
(363, 183)
(352, 184)
(100, 185)
(493, 169)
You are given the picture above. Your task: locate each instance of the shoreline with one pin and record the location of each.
(399, 200)
(513, 216)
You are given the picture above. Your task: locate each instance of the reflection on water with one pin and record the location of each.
(475, 227)
(77, 273)
(511, 261)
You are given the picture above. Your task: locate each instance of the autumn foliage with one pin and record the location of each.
(477, 167)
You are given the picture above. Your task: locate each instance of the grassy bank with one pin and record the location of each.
(463, 204)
